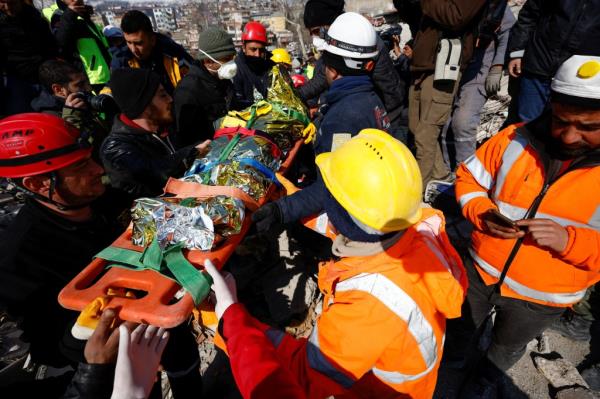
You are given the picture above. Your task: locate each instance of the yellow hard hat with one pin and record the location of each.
(281, 55)
(376, 179)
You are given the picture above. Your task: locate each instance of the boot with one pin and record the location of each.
(573, 326)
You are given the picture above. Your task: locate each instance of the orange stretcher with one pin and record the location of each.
(159, 303)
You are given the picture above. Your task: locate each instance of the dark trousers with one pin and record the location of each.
(533, 97)
(516, 323)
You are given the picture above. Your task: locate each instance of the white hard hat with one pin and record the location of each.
(352, 36)
(578, 78)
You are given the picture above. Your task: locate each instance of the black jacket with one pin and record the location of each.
(200, 99)
(247, 79)
(71, 28)
(39, 254)
(139, 162)
(25, 43)
(388, 85)
(548, 32)
(48, 104)
(91, 381)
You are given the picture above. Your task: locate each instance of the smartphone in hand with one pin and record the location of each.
(500, 219)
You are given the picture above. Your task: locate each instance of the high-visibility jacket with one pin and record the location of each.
(171, 65)
(93, 57)
(381, 331)
(508, 173)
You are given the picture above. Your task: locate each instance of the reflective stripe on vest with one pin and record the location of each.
(464, 199)
(558, 298)
(432, 241)
(478, 171)
(403, 306)
(512, 152)
(517, 213)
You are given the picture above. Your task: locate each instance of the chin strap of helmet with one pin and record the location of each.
(51, 192)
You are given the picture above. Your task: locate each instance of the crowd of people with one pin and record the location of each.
(93, 118)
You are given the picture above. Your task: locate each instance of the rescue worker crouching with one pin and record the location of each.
(397, 277)
(535, 175)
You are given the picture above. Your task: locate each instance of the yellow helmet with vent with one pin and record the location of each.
(376, 179)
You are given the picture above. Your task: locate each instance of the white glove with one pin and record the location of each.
(223, 287)
(138, 360)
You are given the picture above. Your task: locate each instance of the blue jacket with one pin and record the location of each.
(351, 105)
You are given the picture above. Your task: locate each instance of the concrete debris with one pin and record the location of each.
(559, 372)
(575, 393)
(543, 344)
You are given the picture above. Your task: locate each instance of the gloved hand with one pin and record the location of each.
(138, 360)
(493, 80)
(309, 133)
(224, 288)
(268, 219)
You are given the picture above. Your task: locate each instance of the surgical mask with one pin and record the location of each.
(226, 71)
(319, 43)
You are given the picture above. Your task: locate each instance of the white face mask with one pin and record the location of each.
(226, 71)
(319, 43)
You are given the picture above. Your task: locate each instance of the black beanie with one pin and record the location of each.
(322, 12)
(133, 89)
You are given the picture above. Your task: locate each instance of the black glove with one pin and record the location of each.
(268, 219)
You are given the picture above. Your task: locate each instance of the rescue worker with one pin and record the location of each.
(80, 39)
(138, 154)
(534, 175)
(282, 58)
(318, 17)
(205, 94)
(397, 279)
(150, 50)
(253, 66)
(54, 236)
(351, 103)
(430, 103)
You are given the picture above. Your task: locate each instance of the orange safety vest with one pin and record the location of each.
(171, 65)
(507, 173)
(381, 331)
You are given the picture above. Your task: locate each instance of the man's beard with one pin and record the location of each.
(162, 119)
(557, 150)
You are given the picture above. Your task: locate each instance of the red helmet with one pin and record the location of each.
(33, 144)
(299, 80)
(254, 32)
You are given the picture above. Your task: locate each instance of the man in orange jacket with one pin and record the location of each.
(386, 299)
(532, 193)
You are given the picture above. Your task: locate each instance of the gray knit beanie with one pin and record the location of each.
(215, 42)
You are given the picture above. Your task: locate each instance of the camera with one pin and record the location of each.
(99, 103)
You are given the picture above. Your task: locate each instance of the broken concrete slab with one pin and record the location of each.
(558, 371)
